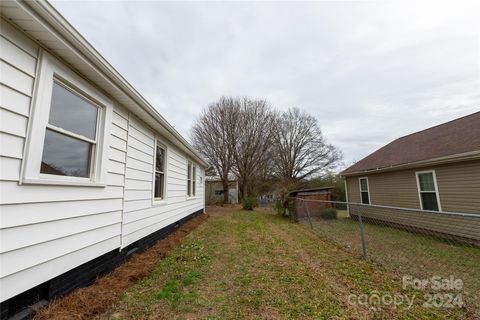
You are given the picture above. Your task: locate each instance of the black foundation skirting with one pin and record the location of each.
(85, 274)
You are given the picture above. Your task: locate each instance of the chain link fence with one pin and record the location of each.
(407, 242)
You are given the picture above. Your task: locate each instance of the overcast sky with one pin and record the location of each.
(369, 71)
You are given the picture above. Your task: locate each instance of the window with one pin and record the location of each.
(71, 134)
(427, 190)
(68, 132)
(194, 180)
(219, 192)
(364, 192)
(159, 188)
(191, 179)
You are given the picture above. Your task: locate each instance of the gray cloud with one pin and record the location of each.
(369, 71)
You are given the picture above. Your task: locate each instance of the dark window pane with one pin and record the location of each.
(73, 113)
(159, 165)
(189, 179)
(363, 185)
(429, 201)
(65, 156)
(426, 182)
(365, 199)
(194, 185)
(158, 193)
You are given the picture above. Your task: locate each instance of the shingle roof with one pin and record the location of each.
(454, 137)
(310, 191)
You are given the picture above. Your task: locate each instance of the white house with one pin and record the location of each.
(90, 171)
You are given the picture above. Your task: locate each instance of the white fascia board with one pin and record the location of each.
(49, 18)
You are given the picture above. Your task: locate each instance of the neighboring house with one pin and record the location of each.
(214, 190)
(90, 172)
(437, 169)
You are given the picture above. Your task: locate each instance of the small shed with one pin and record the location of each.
(214, 189)
(312, 200)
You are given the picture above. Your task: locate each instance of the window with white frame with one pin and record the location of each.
(71, 134)
(191, 180)
(68, 137)
(364, 190)
(159, 188)
(194, 180)
(428, 191)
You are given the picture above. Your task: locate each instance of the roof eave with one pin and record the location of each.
(60, 25)
(472, 155)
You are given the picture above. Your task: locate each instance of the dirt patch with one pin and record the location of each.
(88, 302)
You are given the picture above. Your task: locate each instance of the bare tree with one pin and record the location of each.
(253, 140)
(213, 135)
(247, 137)
(300, 148)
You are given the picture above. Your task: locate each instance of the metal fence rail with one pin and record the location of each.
(412, 242)
(453, 226)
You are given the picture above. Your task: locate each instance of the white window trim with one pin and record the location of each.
(360, 189)
(194, 180)
(164, 200)
(417, 173)
(48, 69)
(190, 184)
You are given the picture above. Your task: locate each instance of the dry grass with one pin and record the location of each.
(405, 253)
(88, 302)
(256, 265)
(244, 265)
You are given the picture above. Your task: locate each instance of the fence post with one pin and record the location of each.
(305, 207)
(362, 234)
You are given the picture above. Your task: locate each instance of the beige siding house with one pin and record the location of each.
(458, 187)
(436, 170)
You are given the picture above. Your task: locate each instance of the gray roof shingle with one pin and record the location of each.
(454, 137)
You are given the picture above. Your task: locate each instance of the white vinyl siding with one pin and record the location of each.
(143, 216)
(56, 227)
(61, 227)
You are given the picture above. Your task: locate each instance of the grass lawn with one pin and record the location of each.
(405, 253)
(253, 265)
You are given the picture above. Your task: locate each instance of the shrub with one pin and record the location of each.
(249, 203)
(328, 213)
(291, 210)
(280, 207)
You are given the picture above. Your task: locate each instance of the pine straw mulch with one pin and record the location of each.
(88, 302)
